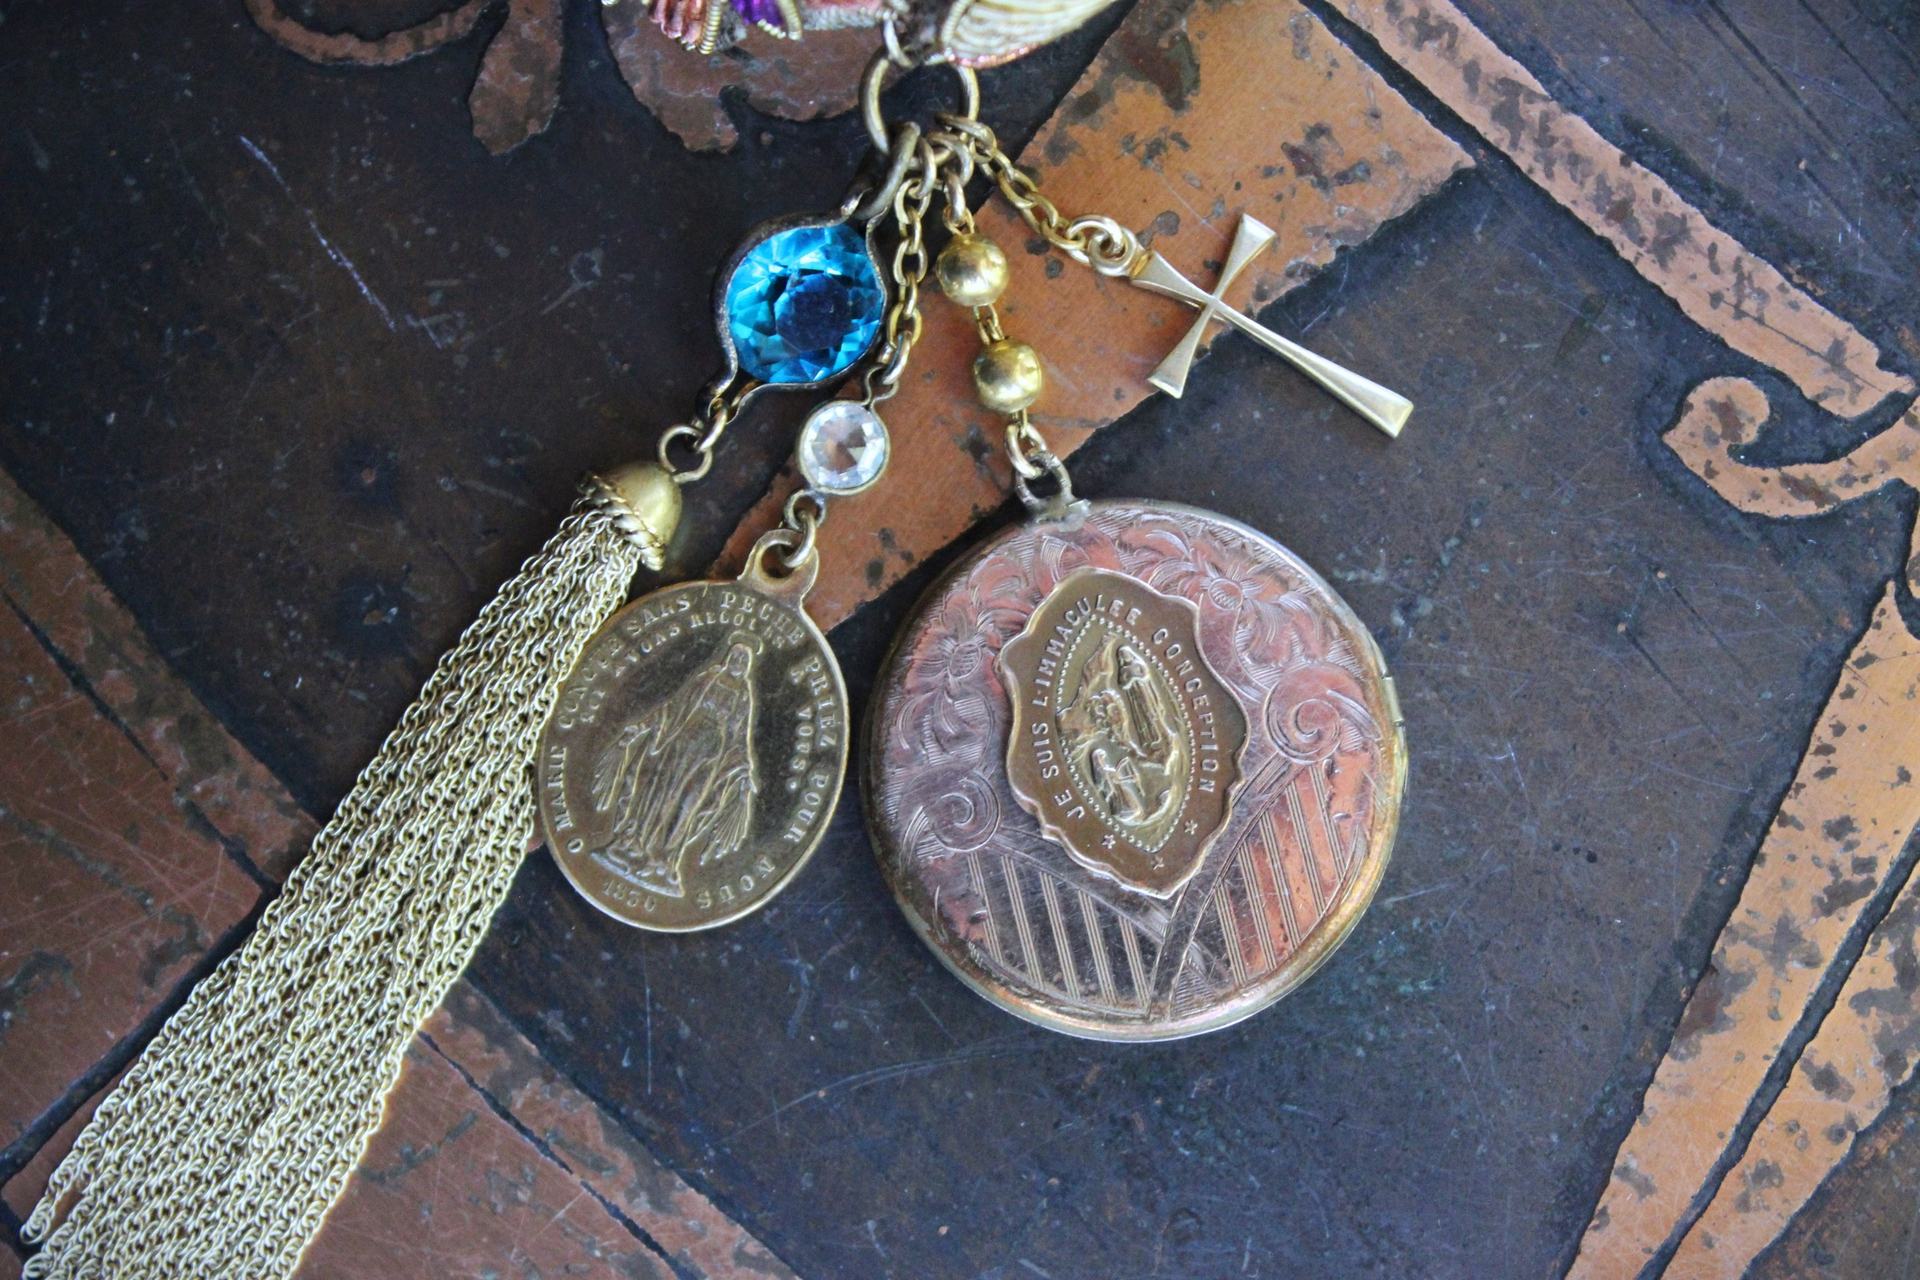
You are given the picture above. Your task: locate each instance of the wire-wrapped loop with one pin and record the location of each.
(1106, 246)
(1061, 500)
(684, 475)
(1026, 447)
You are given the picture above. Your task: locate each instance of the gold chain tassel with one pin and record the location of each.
(228, 1139)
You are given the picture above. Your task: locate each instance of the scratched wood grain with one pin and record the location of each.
(1867, 1047)
(514, 1210)
(779, 77)
(1715, 279)
(44, 579)
(1795, 123)
(517, 87)
(119, 883)
(1723, 416)
(1850, 810)
(489, 1162)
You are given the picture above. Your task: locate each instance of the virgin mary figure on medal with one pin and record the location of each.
(678, 783)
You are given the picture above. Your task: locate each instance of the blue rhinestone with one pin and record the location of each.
(804, 304)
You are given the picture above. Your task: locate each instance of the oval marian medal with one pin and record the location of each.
(1134, 770)
(696, 752)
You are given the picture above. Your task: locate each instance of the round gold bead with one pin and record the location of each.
(648, 507)
(972, 270)
(1008, 376)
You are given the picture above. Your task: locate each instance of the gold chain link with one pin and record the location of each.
(987, 321)
(908, 268)
(1015, 184)
(1026, 447)
(1098, 242)
(723, 402)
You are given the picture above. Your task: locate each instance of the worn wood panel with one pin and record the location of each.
(448, 1188)
(45, 580)
(116, 892)
(1717, 281)
(1799, 123)
(1723, 417)
(1843, 1081)
(590, 1143)
(819, 77)
(488, 1162)
(1843, 823)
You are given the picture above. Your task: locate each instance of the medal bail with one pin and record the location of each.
(798, 566)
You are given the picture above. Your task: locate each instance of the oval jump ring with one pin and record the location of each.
(876, 74)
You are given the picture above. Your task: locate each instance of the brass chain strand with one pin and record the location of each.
(351, 933)
(1097, 242)
(234, 1131)
(908, 268)
(1014, 183)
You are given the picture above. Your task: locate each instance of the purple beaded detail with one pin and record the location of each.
(760, 11)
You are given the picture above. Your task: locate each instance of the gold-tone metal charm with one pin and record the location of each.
(696, 753)
(1384, 408)
(1133, 770)
(697, 749)
(1123, 743)
(1113, 250)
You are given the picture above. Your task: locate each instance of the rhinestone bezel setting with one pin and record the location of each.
(843, 447)
(803, 305)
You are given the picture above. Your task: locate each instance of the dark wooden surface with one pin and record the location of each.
(1608, 676)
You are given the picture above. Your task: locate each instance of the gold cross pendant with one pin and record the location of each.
(1385, 409)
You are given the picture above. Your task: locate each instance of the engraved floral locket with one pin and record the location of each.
(1133, 770)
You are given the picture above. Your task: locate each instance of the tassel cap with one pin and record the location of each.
(644, 503)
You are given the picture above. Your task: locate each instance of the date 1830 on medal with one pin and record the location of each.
(695, 754)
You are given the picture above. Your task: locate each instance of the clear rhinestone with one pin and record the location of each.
(843, 447)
